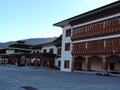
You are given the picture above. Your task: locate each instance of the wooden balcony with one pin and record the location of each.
(99, 29)
(97, 47)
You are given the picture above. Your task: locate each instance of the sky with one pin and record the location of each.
(23, 19)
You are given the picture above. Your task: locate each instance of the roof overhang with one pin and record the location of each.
(12, 48)
(67, 21)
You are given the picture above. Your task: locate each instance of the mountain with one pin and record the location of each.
(35, 41)
(31, 41)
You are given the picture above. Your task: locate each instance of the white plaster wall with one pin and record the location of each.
(66, 55)
(49, 47)
(10, 51)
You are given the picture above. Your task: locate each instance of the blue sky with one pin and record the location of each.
(23, 19)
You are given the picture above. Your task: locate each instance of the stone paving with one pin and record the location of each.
(31, 78)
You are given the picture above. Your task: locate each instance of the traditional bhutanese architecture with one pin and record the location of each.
(43, 55)
(91, 41)
(15, 53)
(47, 54)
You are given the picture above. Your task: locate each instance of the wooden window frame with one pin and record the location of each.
(66, 64)
(59, 63)
(68, 32)
(59, 51)
(37, 52)
(44, 50)
(51, 50)
(67, 46)
(33, 51)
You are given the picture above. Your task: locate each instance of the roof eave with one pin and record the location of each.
(67, 21)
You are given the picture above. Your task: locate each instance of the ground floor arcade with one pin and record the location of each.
(96, 63)
(42, 59)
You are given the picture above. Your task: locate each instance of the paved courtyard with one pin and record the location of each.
(31, 78)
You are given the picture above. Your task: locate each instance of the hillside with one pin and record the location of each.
(31, 41)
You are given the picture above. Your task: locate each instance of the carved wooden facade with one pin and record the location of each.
(108, 46)
(98, 29)
(94, 39)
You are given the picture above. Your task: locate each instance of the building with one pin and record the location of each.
(44, 55)
(47, 54)
(91, 41)
(16, 53)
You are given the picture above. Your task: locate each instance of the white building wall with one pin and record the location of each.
(10, 51)
(66, 55)
(48, 50)
(50, 47)
(54, 52)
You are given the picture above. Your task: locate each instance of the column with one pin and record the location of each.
(73, 63)
(87, 63)
(104, 63)
(42, 61)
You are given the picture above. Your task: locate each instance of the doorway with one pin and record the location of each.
(112, 66)
(78, 65)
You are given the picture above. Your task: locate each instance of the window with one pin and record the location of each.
(37, 51)
(33, 51)
(68, 32)
(59, 51)
(66, 63)
(44, 50)
(67, 46)
(51, 50)
(59, 63)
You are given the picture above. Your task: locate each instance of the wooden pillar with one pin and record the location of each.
(73, 63)
(104, 63)
(42, 61)
(87, 63)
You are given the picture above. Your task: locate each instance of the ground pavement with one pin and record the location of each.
(36, 78)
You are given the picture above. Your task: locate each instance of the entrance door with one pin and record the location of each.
(112, 66)
(79, 65)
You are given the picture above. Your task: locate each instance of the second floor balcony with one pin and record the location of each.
(98, 29)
